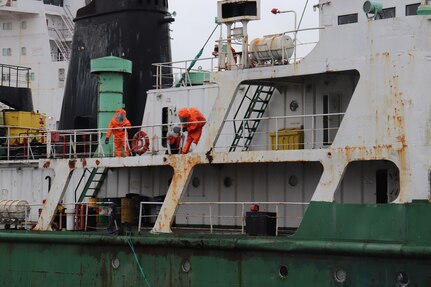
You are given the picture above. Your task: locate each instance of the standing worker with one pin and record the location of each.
(189, 116)
(118, 126)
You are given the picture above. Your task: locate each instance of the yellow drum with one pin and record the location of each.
(126, 210)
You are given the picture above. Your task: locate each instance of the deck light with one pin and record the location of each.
(275, 11)
(254, 208)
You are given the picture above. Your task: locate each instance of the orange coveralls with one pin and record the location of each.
(118, 128)
(194, 130)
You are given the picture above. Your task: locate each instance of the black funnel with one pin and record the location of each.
(137, 30)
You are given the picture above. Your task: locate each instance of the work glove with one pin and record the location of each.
(106, 141)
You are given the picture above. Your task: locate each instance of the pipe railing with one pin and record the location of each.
(14, 76)
(31, 218)
(211, 216)
(24, 143)
(311, 128)
(171, 73)
(110, 209)
(167, 74)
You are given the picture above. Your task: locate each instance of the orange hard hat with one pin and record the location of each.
(184, 113)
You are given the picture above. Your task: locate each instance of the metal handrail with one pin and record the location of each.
(19, 72)
(85, 143)
(210, 204)
(182, 66)
(61, 43)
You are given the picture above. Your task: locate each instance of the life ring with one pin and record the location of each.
(140, 143)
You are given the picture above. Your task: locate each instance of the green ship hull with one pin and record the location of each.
(369, 245)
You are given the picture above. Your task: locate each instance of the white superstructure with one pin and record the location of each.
(38, 35)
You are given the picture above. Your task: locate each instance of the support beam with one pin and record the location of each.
(182, 175)
(61, 180)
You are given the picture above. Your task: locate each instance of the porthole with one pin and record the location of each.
(283, 271)
(293, 180)
(340, 275)
(186, 266)
(196, 182)
(115, 262)
(402, 279)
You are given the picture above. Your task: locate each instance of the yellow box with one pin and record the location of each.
(25, 125)
(288, 139)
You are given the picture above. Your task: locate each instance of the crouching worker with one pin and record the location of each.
(188, 116)
(175, 138)
(118, 126)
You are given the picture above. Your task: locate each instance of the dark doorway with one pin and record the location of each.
(382, 186)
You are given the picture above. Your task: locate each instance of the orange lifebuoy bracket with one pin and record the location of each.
(140, 143)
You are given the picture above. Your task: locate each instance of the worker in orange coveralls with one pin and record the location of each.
(118, 126)
(194, 130)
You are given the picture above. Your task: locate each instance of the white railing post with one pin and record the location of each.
(276, 220)
(74, 144)
(8, 143)
(312, 131)
(140, 217)
(242, 217)
(276, 134)
(211, 218)
(48, 144)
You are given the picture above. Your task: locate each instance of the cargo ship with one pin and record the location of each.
(310, 171)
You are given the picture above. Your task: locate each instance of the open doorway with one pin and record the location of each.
(369, 182)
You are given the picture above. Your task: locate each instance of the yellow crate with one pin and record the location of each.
(24, 124)
(288, 139)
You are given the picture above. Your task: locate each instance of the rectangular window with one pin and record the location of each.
(7, 26)
(388, 13)
(23, 51)
(7, 52)
(61, 75)
(412, 9)
(30, 76)
(24, 25)
(347, 19)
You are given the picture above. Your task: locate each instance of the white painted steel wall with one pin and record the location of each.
(25, 183)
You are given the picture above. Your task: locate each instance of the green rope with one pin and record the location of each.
(129, 241)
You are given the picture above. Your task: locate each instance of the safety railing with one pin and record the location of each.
(14, 76)
(60, 41)
(302, 132)
(28, 143)
(176, 74)
(179, 73)
(211, 216)
(313, 131)
(79, 216)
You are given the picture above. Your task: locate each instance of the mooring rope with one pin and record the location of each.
(130, 243)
